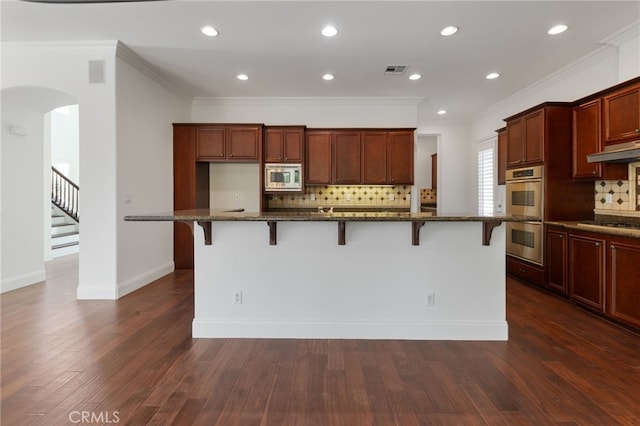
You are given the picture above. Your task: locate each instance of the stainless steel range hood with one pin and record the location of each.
(619, 153)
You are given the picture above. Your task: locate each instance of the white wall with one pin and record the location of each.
(145, 112)
(425, 147)
(65, 140)
(22, 228)
(230, 180)
(307, 286)
(143, 144)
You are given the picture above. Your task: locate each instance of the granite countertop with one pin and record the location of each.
(206, 215)
(593, 226)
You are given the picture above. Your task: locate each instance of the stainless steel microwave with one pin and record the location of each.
(282, 177)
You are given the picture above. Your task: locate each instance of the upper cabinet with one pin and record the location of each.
(228, 142)
(318, 155)
(586, 139)
(354, 157)
(540, 135)
(400, 158)
(502, 156)
(283, 144)
(621, 115)
(525, 139)
(346, 148)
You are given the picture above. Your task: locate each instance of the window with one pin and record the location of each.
(486, 177)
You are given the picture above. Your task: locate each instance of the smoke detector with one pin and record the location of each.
(395, 69)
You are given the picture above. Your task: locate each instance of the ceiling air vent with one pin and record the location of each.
(395, 69)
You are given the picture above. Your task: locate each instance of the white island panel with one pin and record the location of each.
(374, 287)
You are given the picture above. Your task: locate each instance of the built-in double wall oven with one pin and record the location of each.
(525, 197)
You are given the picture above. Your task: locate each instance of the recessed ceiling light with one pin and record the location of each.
(242, 77)
(557, 29)
(450, 30)
(415, 77)
(492, 76)
(328, 77)
(442, 112)
(329, 31)
(209, 31)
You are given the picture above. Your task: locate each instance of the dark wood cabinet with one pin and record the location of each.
(621, 115)
(318, 157)
(346, 149)
(359, 156)
(374, 158)
(283, 144)
(434, 171)
(525, 139)
(400, 158)
(586, 139)
(502, 155)
(228, 142)
(624, 281)
(525, 270)
(556, 251)
(587, 270)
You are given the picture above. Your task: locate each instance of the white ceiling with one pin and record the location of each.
(279, 45)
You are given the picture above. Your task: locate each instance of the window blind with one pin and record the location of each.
(485, 181)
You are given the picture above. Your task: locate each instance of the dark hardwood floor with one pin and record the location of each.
(133, 361)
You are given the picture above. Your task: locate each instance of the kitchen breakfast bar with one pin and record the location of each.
(360, 275)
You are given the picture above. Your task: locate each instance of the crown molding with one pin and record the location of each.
(622, 36)
(53, 48)
(132, 58)
(307, 101)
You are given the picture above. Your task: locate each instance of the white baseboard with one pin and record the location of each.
(96, 293)
(492, 331)
(24, 280)
(145, 278)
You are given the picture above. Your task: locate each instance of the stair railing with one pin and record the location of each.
(65, 194)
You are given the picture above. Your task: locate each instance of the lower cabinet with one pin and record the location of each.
(586, 270)
(556, 249)
(525, 270)
(624, 281)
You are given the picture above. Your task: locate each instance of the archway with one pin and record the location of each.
(23, 181)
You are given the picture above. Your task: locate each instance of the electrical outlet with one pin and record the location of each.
(236, 196)
(392, 197)
(430, 299)
(608, 198)
(312, 197)
(347, 197)
(237, 298)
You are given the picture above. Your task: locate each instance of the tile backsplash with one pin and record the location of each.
(354, 196)
(613, 195)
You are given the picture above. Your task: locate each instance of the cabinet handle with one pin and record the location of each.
(613, 247)
(593, 172)
(597, 244)
(230, 155)
(637, 130)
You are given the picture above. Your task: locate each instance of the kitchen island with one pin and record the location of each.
(347, 275)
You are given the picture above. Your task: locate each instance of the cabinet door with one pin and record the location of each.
(624, 300)
(346, 150)
(318, 157)
(621, 115)
(502, 156)
(556, 260)
(515, 152)
(400, 158)
(293, 141)
(434, 171)
(273, 145)
(210, 143)
(586, 140)
(374, 158)
(243, 143)
(586, 271)
(533, 137)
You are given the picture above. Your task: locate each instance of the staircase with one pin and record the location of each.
(65, 217)
(65, 233)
